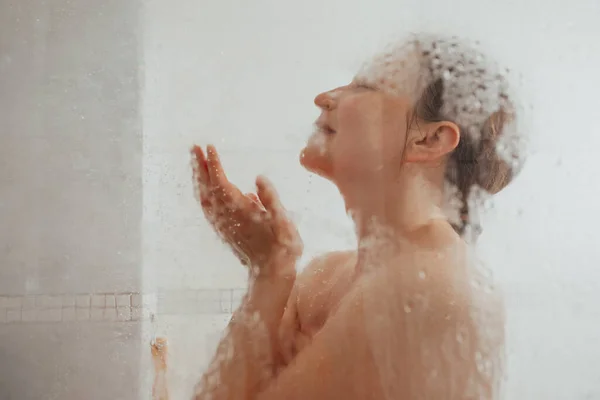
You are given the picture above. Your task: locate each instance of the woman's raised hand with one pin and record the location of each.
(255, 226)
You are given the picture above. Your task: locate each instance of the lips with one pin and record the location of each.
(328, 130)
(325, 128)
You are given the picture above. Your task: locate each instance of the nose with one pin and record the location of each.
(325, 101)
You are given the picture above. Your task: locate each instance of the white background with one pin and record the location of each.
(243, 74)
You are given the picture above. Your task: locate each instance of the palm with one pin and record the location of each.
(254, 225)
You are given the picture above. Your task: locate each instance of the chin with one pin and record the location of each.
(315, 165)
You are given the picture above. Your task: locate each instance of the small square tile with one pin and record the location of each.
(136, 300)
(69, 314)
(110, 314)
(83, 301)
(96, 314)
(111, 302)
(48, 301)
(123, 300)
(49, 315)
(82, 314)
(124, 313)
(68, 301)
(98, 301)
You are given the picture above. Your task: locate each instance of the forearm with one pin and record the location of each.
(247, 354)
(159, 388)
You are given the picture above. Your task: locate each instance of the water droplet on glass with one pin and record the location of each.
(488, 204)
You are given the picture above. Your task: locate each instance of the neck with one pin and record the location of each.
(391, 211)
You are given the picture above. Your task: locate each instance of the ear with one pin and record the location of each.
(432, 143)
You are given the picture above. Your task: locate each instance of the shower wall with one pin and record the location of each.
(70, 200)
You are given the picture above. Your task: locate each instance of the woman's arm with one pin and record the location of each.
(160, 390)
(248, 354)
(274, 300)
(371, 348)
(334, 364)
(258, 230)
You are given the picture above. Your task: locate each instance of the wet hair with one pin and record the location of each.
(455, 82)
(473, 162)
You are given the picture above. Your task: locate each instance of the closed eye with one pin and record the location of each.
(367, 86)
(363, 85)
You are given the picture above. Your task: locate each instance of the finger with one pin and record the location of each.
(220, 189)
(253, 197)
(268, 197)
(200, 177)
(199, 165)
(215, 168)
(255, 200)
(223, 190)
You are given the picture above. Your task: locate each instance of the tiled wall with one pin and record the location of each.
(116, 307)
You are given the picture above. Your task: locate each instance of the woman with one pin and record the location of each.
(399, 317)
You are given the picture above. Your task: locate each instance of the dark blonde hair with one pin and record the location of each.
(461, 86)
(472, 162)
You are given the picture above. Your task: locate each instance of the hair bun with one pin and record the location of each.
(494, 172)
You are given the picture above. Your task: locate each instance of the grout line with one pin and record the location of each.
(116, 307)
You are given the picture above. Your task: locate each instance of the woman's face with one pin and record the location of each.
(360, 134)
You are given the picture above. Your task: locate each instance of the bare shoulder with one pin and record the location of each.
(329, 258)
(325, 265)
